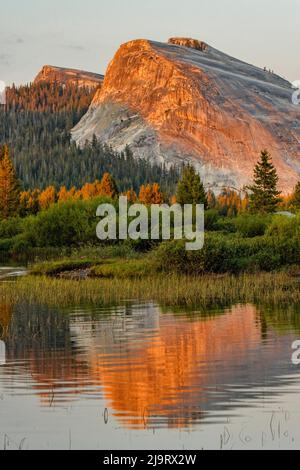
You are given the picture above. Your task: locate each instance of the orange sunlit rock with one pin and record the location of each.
(65, 76)
(179, 101)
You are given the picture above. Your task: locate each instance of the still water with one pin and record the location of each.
(140, 376)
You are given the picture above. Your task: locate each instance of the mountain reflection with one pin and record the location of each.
(6, 311)
(152, 368)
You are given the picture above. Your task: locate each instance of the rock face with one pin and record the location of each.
(186, 101)
(189, 42)
(65, 76)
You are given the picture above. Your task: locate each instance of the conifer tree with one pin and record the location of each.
(295, 202)
(9, 185)
(264, 196)
(190, 189)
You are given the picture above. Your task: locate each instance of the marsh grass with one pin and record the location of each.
(53, 268)
(124, 269)
(102, 268)
(168, 290)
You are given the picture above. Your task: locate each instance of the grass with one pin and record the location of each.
(98, 268)
(168, 290)
(123, 269)
(53, 268)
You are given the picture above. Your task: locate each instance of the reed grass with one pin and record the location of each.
(53, 268)
(168, 290)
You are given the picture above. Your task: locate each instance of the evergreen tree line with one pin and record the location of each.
(46, 96)
(36, 124)
(264, 197)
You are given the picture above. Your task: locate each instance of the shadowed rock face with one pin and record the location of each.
(72, 76)
(186, 101)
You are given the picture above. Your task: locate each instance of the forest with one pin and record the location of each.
(36, 124)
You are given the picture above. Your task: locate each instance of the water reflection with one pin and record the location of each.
(5, 319)
(11, 272)
(153, 369)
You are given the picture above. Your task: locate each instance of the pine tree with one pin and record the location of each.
(264, 196)
(190, 189)
(9, 185)
(295, 202)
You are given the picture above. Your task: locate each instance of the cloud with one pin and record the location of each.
(5, 59)
(75, 47)
(11, 40)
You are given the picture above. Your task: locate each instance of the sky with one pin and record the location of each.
(85, 34)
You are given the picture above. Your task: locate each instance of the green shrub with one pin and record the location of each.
(215, 257)
(6, 245)
(267, 260)
(285, 235)
(211, 220)
(284, 227)
(231, 254)
(252, 225)
(66, 224)
(10, 227)
(226, 225)
(21, 245)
